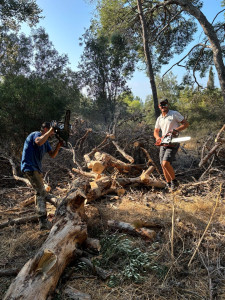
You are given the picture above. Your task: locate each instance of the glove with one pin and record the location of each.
(54, 124)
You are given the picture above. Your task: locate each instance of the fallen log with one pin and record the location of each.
(9, 272)
(19, 221)
(73, 293)
(39, 276)
(131, 229)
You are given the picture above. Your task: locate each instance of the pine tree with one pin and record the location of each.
(210, 83)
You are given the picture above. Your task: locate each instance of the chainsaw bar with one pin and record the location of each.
(180, 139)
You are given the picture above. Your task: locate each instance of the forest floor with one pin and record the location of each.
(162, 267)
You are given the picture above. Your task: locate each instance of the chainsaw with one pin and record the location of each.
(62, 129)
(171, 139)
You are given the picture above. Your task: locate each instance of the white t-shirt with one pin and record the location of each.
(169, 122)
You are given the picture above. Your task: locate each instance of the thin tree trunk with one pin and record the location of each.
(148, 58)
(210, 33)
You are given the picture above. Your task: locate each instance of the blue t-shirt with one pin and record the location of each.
(32, 153)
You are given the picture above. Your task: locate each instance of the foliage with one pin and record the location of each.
(130, 261)
(106, 64)
(202, 109)
(31, 55)
(122, 16)
(167, 88)
(25, 103)
(13, 12)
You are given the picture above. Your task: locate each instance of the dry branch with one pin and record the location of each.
(19, 221)
(128, 157)
(130, 229)
(218, 142)
(103, 274)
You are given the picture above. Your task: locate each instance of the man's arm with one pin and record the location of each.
(184, 125)
(40, 140)
(53, 153)
(156, 133)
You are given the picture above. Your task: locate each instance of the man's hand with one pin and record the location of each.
(175, 133)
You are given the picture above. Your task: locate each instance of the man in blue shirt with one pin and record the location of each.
(35, 147)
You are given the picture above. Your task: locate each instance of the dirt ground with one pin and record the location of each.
(179, 220)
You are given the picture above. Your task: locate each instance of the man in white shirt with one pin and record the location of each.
(169, 121)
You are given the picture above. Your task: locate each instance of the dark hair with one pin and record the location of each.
(45, 125)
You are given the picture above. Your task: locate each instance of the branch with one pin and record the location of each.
(185, 57)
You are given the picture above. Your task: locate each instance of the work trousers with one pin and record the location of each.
(36, 180)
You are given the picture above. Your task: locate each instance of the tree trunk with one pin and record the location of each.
(39, 276)
(210, 33)
(148, 58)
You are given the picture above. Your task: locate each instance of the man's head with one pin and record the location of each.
(164, 105)
(45, 125)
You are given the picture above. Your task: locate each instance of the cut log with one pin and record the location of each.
(109, 161)
(145, 174)
(97, 167)
(39, 276)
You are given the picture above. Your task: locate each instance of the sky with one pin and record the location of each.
(66, 20)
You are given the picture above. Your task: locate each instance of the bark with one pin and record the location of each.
(39, 276)
(148, 58)
(210, 33)
(129, 228)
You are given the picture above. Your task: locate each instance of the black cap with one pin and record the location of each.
(163, 102)
(45, 125)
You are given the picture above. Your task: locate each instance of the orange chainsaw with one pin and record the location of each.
(171, 139)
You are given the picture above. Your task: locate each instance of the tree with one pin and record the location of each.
(106, 64)
(210, 83)
(159, 37)
(192, 8)
(13, 12)
(167, 88)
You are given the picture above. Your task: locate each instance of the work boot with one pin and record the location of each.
(40, 206)
(174, 185)
(167, 187)
(44, 223)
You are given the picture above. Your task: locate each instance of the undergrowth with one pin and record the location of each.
(126, 261)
